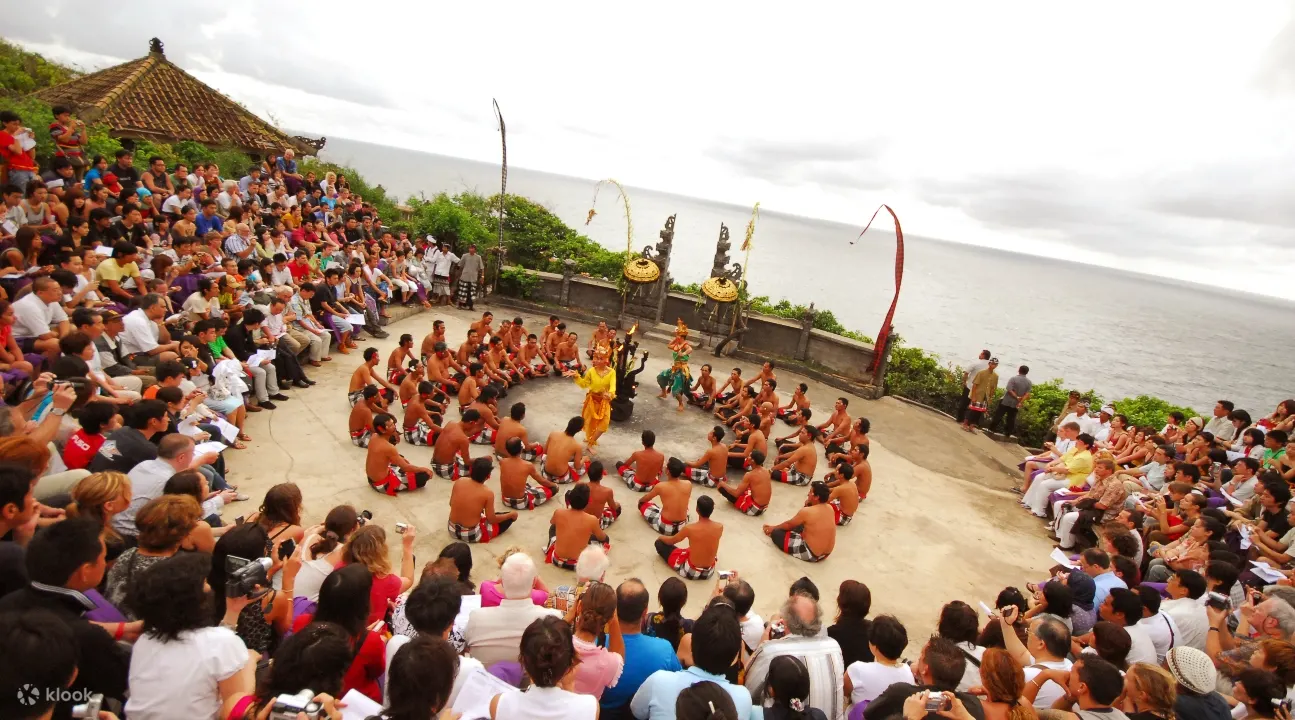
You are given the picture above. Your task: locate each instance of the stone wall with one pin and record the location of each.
(792, 342)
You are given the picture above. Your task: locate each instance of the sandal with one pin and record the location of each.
(239, 445)
(244, 437)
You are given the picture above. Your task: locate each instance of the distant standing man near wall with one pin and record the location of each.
(472, 273)
(1018, 389)
(970, 375)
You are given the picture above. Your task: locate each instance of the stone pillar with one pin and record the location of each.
(879, 377)
(663, 292)
(568, 272)
(806, 324)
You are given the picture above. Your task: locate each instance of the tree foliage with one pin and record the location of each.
(23, 72)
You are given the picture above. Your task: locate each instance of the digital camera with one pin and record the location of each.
(937, 701)
(363, 516)
(243, 576)
(90, 708)
(287, 707)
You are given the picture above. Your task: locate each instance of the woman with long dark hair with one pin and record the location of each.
(280, 515)
(669, 624)
(344, 600)
(321, 550)
(316, 657)
(850, 631)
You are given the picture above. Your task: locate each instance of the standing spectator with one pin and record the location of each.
(1014, 396)
(17, 149)
(69, 138)
(803, 620)
(984, 385)
(643, 655)
(716, 643)
(853, 601)
(472, 273)
(182, 667)
(968, 375)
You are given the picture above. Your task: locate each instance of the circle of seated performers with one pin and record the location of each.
(491, 361)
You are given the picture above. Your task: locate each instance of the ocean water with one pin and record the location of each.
(1120, 333)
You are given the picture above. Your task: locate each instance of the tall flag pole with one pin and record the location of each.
(884, 334)
(503, 188)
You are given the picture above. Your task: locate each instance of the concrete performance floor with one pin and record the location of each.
(938, 524)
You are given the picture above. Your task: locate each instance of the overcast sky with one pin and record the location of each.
(1154, 136)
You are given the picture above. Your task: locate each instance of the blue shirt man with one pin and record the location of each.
(643, 656)
(1097, 565)
(716, 642)
(207, 223)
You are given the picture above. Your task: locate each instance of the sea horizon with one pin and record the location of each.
(1025, 293)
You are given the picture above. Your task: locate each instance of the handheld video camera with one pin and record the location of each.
(363, 517)
(243, 576)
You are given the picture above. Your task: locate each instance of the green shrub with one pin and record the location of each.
(1145, 410)
(518, 282)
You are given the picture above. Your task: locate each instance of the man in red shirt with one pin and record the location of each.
(20, 160)
(299, 267)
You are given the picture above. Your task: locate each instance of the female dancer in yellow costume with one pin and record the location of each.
(600, 381)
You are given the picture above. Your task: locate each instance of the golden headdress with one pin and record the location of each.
(602, 352)
(681, 329)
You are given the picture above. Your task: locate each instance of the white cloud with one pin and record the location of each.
(1149, 136)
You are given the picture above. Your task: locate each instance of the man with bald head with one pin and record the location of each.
(796, 630)
(644, 655)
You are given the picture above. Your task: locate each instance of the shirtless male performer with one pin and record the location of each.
(745, 403)
(407, 386)
(482, 326)
(439, 364)
(674, 493)
(697, 561)
(799, 401)
(861, 471)
(471, 385)
(530, 358)
(602, 337)
(469, 348)
(703, 389)
(386, 469)
(710, 469)
(602, 501)
(450, 452)
(554, 335)
(364, 375)
(514, 473)
(811, 534)
(642, 471)
(788, 441)
(844, 497)
(739, 454)
(752, 495)
(518, 336)
(472, 507)
(797, 467)
(564, 460)
(485, 406)
(504, 364)
(437, 335)
(839, 423)
(360, 424)
(399, 359)
(768, 393)
(567, 354)
(858, 435)
(728, 393)
(571, 529)
(554, 324)
(420, 426)
(511, 427)
(766, 373)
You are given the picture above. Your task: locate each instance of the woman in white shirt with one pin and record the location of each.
(321, 550)
(549, 659)
(960, 624)
(182, 667)
(864, 681)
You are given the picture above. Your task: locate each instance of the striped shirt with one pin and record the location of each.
(237, 243)
(822, 657)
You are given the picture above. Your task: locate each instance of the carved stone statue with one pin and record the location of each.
(626, 382)
(721, 253)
